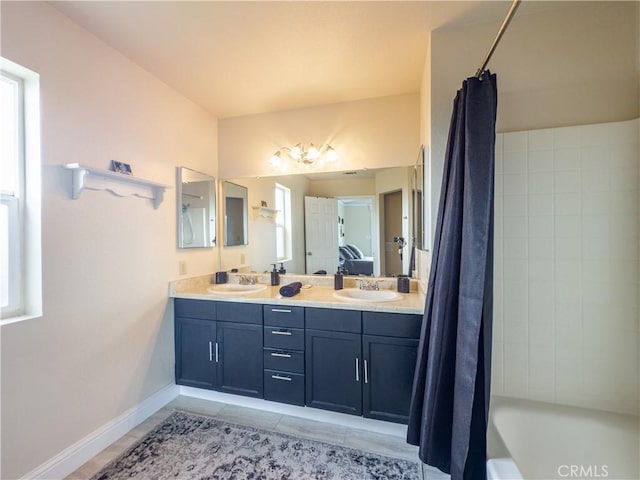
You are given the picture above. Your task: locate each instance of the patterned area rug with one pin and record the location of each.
(187, 446)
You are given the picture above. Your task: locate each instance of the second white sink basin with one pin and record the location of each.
(366, 296)
(235, 288)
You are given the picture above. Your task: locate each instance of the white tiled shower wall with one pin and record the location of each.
(566, 313)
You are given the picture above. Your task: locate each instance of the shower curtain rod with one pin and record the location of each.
(503, 28)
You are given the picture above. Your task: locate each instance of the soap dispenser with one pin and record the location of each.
(275, 276)
(338, 280)
(282, 270)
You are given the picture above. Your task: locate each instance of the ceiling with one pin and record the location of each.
(238, 58)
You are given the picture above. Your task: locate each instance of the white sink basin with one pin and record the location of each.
(366, 296)
(236, 288)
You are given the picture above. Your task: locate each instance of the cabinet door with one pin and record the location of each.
(195, 352)
(334, 371)
(389, 365)
(240, 359)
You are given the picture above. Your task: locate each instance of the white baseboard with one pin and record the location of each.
(352, 421)
(71, 458)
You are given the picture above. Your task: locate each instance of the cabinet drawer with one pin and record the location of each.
(284, 338)
(391, 324)
(284, 316)
(239, 312)
(204, 309)
(286, 360)
(334, 320)
(284, 387)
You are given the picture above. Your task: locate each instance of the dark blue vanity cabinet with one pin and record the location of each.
(195, 341)
(347, 361)
(389, 352)
(240, 348)
(334, 360)
(284, 354)
(219, 346)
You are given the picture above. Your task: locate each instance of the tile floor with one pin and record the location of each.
(327, 432)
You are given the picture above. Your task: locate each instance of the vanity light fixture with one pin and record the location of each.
(305, 156)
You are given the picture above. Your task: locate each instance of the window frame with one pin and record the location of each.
(283, 224)
(15, 219)
(24, 205)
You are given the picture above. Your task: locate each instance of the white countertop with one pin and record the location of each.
(320, 295)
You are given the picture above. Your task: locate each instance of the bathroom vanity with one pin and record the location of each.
(309, 350)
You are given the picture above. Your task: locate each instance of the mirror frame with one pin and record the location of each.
(226, 187)
(184, 176)
(418, 201)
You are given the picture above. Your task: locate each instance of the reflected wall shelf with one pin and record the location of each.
(265, 212)
(117, 183)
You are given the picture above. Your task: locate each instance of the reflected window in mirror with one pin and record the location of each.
(236, 214)
(284, 234)
(196, 200)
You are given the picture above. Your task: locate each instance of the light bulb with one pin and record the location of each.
(313, 152)
(275, 159)
(296, 152)
(332, 155)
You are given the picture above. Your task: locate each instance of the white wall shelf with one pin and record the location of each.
(265, 212)
(117, 183)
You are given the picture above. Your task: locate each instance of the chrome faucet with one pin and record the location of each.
(367, 285)
(247, 280)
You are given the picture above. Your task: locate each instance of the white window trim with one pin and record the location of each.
(288, 234)
(15, 264)
(31, 244)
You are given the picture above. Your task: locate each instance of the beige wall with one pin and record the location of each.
(565, 66)
(374, 133)
(358, 226)
(425, 100)
(105, 342)
(342, 187)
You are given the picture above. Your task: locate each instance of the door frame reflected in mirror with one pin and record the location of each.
(236, 214)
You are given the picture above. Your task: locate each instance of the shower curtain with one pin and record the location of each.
(450, 397)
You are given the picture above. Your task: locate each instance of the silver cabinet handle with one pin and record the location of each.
(216, 352)
(280, 310)
(210, 353)
(279, 332)
(366, 374)
(282, 355)
(357, 369)
(280, 377)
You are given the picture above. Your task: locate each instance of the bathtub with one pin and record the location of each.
(533, 440)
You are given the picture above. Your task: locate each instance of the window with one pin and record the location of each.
(20, 269)
(283, 223)
(11, 188)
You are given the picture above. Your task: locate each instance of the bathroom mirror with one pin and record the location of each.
(235, 214)
(362, 214)
(196, 209)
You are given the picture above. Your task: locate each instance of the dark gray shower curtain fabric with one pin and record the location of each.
(450, 397)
